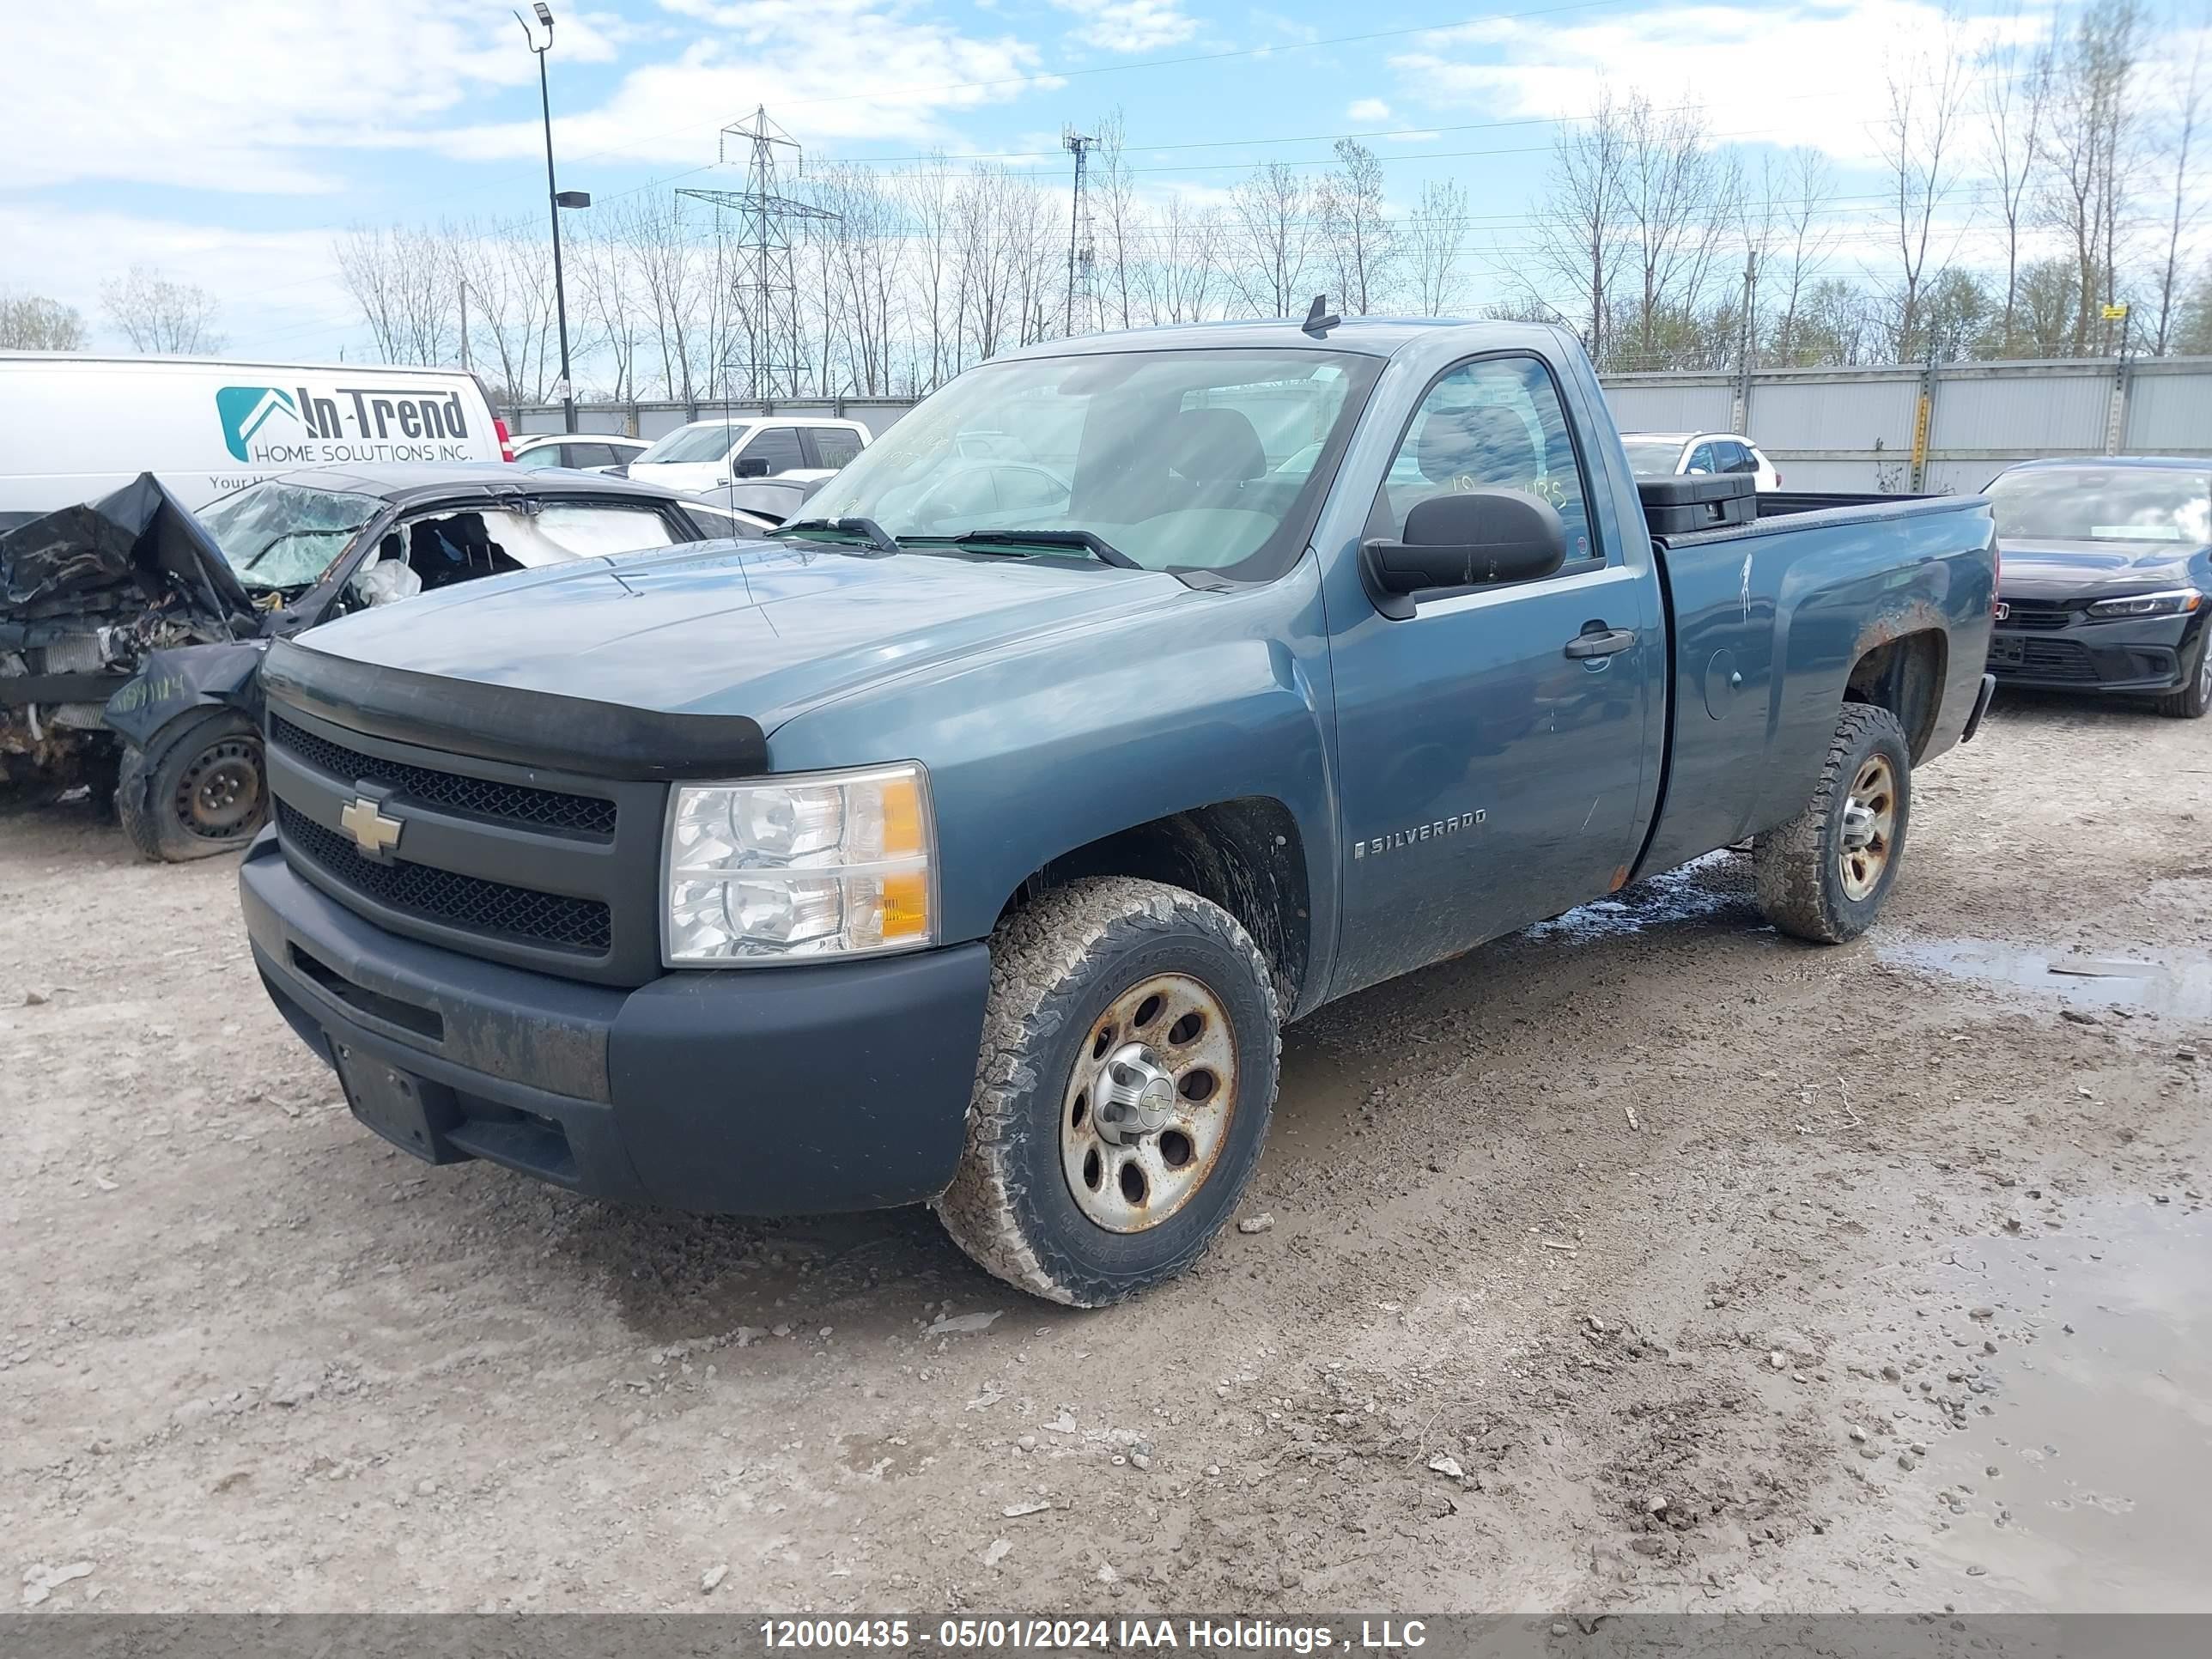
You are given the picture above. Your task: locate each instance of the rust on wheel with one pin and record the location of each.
(220, 793)
(1869, 827)
(1148, 1106)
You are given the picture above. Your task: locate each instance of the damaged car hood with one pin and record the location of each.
(758, 629)
(136, 549)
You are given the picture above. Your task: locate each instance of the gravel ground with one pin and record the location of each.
(1644, 1261)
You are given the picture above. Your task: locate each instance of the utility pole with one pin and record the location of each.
(1750, 341)
(556, 199)
(1079, 249)
(465, 325)
(765, 287)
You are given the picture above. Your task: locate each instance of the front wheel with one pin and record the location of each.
(1129, 1067)
(1824, 874)
(199, 791)
(2191, 702)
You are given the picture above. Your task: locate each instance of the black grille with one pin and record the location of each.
(481, 798)
(2036, 613)
(2042, 659)
(469, 902)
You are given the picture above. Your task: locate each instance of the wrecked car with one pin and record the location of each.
(132, 630)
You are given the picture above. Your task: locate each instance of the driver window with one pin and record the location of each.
(1496, 424)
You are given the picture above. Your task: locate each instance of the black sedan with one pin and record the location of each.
(2106, 583)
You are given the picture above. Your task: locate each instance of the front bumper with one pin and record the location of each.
(761, 1091)
(2142, 655)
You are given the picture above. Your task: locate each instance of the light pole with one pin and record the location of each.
(555, 201)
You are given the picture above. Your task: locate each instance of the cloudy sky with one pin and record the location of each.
(226, 142)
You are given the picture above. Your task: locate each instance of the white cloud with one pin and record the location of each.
(1810, 73)
(236, 94)
(278, 292)
(826, 70)
(1130, 25)
(1368, 109)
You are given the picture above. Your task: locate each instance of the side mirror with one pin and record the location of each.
(1468, 539)
(753, 466)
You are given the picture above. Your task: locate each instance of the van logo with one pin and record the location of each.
(245, 410)
(335, 424)
(1434, 829)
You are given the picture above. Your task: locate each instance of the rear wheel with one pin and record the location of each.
(1824, 874)
(1128, 1073)
(2191, 702)
(200, 790)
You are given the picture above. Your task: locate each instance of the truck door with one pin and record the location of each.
(1493, 746)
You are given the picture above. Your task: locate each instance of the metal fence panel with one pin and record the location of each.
(1684, 404)
(2170, 410)
(1799, 413)
(2020, 412)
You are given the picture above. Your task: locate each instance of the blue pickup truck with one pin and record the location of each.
(969, 839)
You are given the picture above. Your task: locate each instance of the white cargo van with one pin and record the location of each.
(74, 426)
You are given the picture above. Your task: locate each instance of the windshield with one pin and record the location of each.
(1191, 459)
(1652, 455)
(2103, 504)
(694, 443)
(280, 535)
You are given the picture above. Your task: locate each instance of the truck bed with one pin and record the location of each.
(1770, 618)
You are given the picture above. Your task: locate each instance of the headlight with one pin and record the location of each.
(2174, 602)
(829, 863)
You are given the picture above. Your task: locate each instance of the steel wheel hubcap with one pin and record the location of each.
(221, 791)
(1149, 1104)
(1869, 827)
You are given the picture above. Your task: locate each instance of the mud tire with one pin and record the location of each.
(1795, 866)
(1056, 965)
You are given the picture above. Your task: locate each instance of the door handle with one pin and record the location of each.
(1603, 643)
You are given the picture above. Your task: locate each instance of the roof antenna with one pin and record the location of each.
(1319, 319)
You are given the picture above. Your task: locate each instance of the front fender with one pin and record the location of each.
(1051, 744)
(172, 684)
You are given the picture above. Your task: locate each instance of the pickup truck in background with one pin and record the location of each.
(945, 849)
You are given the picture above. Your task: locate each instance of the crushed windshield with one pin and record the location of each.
(694, 443)
(1176, 459)
(283, 536)
(2103, 504)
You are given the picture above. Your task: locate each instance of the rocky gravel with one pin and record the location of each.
(1642, 1260)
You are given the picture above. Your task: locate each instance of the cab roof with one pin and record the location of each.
(1370, 337)
(404, 482)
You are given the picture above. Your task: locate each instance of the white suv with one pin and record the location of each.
(706, 454)
(1664, 454)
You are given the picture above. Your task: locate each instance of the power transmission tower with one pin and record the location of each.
(1082, 251)
(764, 287)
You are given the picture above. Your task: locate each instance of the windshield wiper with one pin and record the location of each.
(1089, 540)
(875, 535)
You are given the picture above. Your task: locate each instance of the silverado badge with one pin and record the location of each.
(373, 833)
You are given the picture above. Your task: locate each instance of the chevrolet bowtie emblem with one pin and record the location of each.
(373, 833)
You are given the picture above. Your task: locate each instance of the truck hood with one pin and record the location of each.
(2073, 571)
(759, 628)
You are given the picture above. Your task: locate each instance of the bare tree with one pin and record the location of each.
(1577, 219)
(2182, 138)
(1178, 278)
(1360, 239)
(1680, 198)
(929, 208)
(2090, 128)
(30, 322)
(1804, 239)
(405, 281)
(1119, 237)
(1434, 237)
(2015, 98)
(157, 313)
(1926, 90)
(1271, 227)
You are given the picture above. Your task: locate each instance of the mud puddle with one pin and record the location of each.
(2078, 1482)
(2169, 984)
